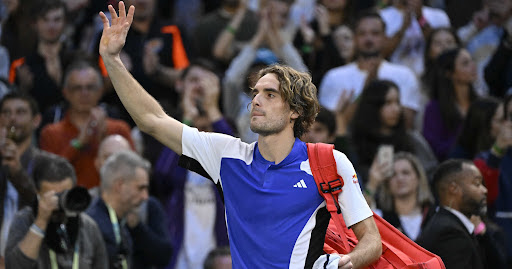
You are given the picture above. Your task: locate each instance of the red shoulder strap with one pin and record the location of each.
(329, 183)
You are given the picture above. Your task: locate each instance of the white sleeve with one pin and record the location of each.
(206, 148)
(410, 95)
(328, 93)
(353, 205)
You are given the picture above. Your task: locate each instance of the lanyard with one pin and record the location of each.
(117, 231)
(53, 258)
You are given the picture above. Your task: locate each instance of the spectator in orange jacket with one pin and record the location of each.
(77, 136)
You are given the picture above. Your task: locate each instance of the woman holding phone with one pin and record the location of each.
(379, 120)
(404, 199)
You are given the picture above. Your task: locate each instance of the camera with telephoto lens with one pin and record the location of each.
(74, 200)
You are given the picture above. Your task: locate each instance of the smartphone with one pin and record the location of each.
(385, 156)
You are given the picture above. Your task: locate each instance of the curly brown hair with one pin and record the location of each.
(299, 92)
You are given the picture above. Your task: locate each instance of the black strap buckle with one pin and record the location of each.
(331, 186)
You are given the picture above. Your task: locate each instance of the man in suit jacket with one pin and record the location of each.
(450, 233)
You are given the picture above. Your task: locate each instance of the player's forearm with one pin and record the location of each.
(141, 106)
(369, 247)
(366, 252)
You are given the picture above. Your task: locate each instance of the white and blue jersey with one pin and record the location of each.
(275, 216)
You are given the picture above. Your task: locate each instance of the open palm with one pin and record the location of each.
(114, 36)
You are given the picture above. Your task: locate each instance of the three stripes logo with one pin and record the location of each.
(301, 184)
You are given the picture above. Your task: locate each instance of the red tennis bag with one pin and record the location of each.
(398, 251)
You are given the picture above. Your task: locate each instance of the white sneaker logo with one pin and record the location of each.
(301, 184)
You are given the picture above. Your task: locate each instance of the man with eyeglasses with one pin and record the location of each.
(77, 136)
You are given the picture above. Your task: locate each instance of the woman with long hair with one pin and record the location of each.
(439, 41)
(452, 95)
(404, 199)
(379, 120)
(480, 128)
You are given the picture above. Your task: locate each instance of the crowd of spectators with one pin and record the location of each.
(404, 85)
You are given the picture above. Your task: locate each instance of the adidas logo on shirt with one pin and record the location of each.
(300, 184)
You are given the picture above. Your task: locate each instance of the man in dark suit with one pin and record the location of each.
(450, 233)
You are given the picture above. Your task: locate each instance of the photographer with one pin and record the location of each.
(46, 235)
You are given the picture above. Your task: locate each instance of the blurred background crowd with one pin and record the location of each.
(404, 85)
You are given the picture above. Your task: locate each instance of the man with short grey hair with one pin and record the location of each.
(124, 186)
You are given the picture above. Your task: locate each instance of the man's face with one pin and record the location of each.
(269, 113)
(369, 37)
(145, 8)
(319, 133)
(193, 84)
(83, 90)
(135, 191)
(279, 12)
(474, 194)
(50, 26)
(16, 115)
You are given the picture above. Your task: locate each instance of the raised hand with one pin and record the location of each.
(322, 17)
(48, 202)
(114, 36)
(211, 90)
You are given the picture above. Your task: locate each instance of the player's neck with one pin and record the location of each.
(276, 147)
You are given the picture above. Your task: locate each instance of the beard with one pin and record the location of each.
(471, 206)
(268, 128)
(20, 137)
(369, 53)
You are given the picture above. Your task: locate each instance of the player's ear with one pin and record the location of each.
(294, 115)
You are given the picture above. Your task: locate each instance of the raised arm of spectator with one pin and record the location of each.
(393, 42)
(480, 21)
(24, 240)
(237, 72)
(143, 108)
(497, 73)
(223, 47)
(496, 70)
(282, 46)
(490, 162)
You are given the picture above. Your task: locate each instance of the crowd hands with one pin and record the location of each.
(398, 119)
